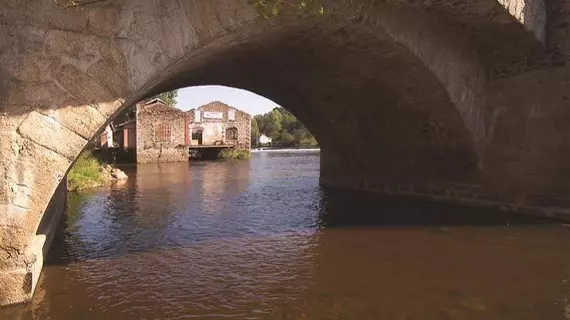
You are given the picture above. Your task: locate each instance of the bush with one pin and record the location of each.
(87, 172)
(235, 154)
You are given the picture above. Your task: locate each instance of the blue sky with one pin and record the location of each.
(193, 97)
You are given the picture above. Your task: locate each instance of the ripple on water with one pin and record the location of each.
(259, 239)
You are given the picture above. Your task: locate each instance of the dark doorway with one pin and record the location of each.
(232, 134)
(197, 134)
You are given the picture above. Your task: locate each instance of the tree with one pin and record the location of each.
(168, 97)
(285, 130)
(254, 129)
(273, 123)
(286, 139)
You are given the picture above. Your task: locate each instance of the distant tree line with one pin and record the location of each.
(283, 128)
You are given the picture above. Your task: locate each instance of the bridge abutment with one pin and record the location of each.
(19, 277)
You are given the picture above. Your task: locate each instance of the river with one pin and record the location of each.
(260, 239)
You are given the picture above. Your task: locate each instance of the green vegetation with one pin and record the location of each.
(285, 130)
(87, 172)
(167, 97)
(235, 154)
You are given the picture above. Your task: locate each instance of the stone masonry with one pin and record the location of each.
(216, 130)
(451, 100)
(160, 133)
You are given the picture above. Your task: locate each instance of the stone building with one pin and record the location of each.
(160, 133)
(165, 134)
(217, 124)
(126, 134)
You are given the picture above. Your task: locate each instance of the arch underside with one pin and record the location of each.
(373, 106)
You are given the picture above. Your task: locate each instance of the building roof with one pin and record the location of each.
(155, 100)
(215, 103)
(218, 103)
(157, 106)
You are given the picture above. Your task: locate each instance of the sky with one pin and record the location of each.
(193, 97)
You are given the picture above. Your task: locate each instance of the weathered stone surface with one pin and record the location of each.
(15, 286)
(34, 94)
(73, 48)
(81, 119)
(103, 21)
(81, 86)
(60, 139)
(151, 151)
(109, 77)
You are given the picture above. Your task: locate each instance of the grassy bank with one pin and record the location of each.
(235, 154)
(87, 172)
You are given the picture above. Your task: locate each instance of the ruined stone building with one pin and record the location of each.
(162, 133)
(217, 124)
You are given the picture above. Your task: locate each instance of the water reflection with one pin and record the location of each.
(261, 240)
(343, 208)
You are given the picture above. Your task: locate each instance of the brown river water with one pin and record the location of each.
(260, 239)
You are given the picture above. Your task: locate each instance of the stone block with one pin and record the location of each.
(25, 95)
(15, 286)
(78, 49)
(58, 138)
(33, 66)
(104, 21)
(111, 77)
(18, 285)
(88, 91)
(81, 119)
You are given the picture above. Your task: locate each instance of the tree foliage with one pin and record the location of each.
(129, 113)
(167, 97)
(284, 128)
(254, 129)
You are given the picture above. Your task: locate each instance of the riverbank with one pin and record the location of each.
(89, 172)
(232, 154)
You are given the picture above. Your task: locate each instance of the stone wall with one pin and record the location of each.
(152, 148)
(242, 123)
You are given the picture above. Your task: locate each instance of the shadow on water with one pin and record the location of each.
(334, 209)
(343, 208)
(172, 206)
(231, 237)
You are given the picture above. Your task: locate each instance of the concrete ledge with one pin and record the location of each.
(453, 194)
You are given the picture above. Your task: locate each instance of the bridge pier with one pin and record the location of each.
(19, 280)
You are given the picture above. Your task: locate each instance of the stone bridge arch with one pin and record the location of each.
(397, 92)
